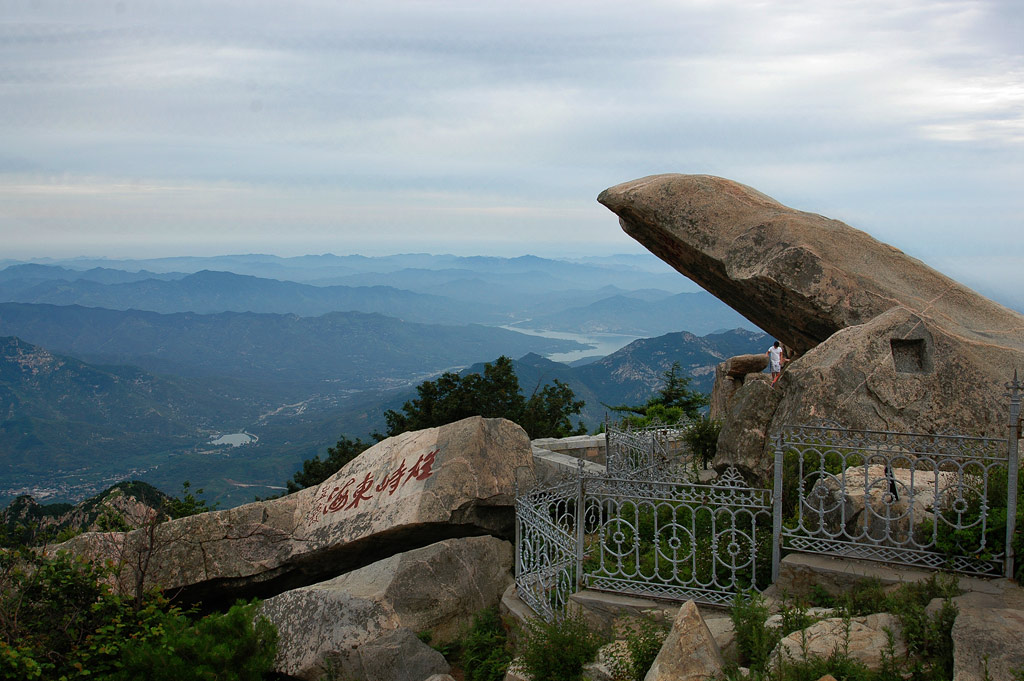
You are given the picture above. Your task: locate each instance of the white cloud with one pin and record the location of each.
(471, 121)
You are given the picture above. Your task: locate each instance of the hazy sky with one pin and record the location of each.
(475, 126)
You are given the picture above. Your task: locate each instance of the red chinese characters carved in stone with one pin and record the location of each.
(422, 469)
(360, 492)
(338, 498)
(344, 498)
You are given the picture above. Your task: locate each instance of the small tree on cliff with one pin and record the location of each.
(493, 394)
(673, 401)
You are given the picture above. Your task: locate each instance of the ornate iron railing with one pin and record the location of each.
(647, 528)
(672, 540)
(931, 501)
(648, 452)
(677, 540)
(546, 547)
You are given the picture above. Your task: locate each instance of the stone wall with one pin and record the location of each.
(555, 457)
(588, 447)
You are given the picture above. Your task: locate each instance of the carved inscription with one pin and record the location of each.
(348, 495)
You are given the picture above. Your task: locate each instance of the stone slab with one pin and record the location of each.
(403, 493)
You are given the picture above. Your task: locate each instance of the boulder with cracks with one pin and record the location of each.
(404, 493)
(436, 589)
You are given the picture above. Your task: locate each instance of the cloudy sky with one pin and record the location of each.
(477, 126)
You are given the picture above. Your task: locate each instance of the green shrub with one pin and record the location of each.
(485, 651)
(643, 643)
(927, 636)
(558, 650)
(866, 597)
(754, 640)
(702, 438)
(60, 620)
(235, 645)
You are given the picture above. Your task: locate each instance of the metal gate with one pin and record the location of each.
(546, 547)
(670, 540)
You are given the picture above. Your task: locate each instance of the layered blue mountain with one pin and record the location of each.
(209, 292)
(699, 313)
(64, 420)
(535, 300)
(148, 361)
(351, 350)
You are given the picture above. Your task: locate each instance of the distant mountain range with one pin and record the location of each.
(535, 299)
(698, 313)
(632, 374)
(352, 349)
(70, 428)
(62, 417)
(629, 272)
(115, 369)
(209, 292)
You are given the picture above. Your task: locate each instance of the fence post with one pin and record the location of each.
(777, 509)
(580, 490)
(517, 570)
(1013, 464)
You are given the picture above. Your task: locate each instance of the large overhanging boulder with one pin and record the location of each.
(404, 493)
(799, 276)
(882, 340)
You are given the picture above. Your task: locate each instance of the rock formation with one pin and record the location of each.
(404, 493)
(987, 637)
(865, 639)
(689, 652)
(881, 340)
(730, 376)
(437, 589)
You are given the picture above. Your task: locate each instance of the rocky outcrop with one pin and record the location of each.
(399, 655)
(730, 376)
(741, 365)
(866, 640)
(881, 340)
(406, 492)
(127, 504)
(689, 652)
(991, 638)
(437, 589)
(747, 427)
(799, 276)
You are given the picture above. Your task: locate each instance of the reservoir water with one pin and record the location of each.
(234, 439)
(603, 343)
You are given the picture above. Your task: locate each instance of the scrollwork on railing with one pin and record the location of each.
(922, 499)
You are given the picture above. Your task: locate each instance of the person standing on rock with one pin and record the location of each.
(775, 361)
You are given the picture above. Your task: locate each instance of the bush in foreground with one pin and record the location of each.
(59, 619)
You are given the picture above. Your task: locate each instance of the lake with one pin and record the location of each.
(604, 343)
(234, 439)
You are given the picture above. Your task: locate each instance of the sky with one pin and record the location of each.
(148, 129)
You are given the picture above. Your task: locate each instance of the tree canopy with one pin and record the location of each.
(450, 398)
(495, 393)
(673, 401)
(316, 470)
